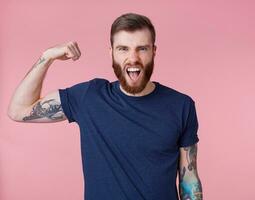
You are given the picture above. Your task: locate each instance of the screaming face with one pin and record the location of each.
(133, 59)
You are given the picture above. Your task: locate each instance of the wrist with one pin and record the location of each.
(47, 57)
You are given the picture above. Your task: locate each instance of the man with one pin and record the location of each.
(136, 134)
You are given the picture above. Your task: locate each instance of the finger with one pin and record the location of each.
(76, 55)
(77, 48)
(69, 53)
(73, 53)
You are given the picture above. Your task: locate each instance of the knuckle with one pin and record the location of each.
(68, 48)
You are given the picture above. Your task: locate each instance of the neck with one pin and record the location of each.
(148, 89)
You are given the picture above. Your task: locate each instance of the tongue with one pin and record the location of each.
(133, 75)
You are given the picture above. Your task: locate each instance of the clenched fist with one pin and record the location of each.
(63, 51)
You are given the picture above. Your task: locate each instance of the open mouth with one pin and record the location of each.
(133, 73)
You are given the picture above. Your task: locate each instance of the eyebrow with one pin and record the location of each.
(147, 45)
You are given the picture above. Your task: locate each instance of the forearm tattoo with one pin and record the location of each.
(38, 62)
(182, 173)
(50, 109)
(191, 156)
(190, 190)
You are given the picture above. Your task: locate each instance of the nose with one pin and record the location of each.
(133, 57)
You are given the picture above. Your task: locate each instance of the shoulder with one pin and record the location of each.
(86, 84)
(99, 81)
(176, 95)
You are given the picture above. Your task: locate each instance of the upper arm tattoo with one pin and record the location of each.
(50, 109)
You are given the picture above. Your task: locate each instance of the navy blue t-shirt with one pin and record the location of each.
(130, 144)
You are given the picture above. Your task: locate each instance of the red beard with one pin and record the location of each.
(146, 73)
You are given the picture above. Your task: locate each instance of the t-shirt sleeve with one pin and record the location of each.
(71, 98)
(190, 126)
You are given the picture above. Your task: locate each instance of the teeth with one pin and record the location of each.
(133, 69)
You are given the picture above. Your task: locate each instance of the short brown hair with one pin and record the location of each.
(132, 22)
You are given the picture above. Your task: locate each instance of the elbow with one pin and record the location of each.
(13, 114)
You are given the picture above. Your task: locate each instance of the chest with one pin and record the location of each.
(138, 129)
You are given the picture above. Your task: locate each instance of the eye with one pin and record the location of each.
(143, 48)
(122, 49)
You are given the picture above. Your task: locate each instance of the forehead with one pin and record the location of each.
(134, 38)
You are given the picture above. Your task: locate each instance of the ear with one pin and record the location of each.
(110, 51)
(154, 50)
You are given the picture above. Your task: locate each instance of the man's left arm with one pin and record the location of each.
(190, 187)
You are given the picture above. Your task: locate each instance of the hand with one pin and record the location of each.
(63, 51)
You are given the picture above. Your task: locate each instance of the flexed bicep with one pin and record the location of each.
(44, 110)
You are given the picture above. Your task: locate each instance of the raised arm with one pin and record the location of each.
(190, 186)
(26, 105)
(45, 110)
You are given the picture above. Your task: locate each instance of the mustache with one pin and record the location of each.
(136, 64)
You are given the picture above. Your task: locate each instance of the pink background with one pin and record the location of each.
(205, 49)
